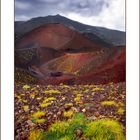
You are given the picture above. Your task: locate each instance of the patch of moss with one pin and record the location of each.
(69, 137)
(86, 86)
(25, 107)
(88, 104)
(120, 104)
(75, 92)
(36, 120)
(77, 99)
(65, 130)
(38, 114)
(121, 111)
(22, 95)
(97, 89)
(49, 86)
(32, 95)
(36, 135)
(49, 99)
(52, 91)
(79, 95)
(45, 104)
(37, 117)
(68, 113)
(18, 97)
(59, 127)
(109, 103)
(65, 86)
(33, 88)
(68, 104)
(25, 101)
(86, 90)
(104, 130)
(26, 87)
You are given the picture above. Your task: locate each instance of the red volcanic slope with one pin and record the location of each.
(113, 70)
(56, 36)
(86, 62)
(107, 65)
(69, 63)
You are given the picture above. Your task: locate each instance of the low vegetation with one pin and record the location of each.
(79, 128)
(109, 103)
(104, 130)
(64, 112)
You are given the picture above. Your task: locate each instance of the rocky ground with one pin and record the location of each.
(38, 106)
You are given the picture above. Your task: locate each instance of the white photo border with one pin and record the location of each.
(7, 69)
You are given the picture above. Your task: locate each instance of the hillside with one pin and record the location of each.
(82, 68)
(55, 53)
(113, 37)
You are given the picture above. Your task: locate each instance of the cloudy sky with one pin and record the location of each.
(106, 13)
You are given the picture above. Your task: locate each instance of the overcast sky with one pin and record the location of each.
(106, 13)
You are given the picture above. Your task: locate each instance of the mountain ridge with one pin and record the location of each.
(111, 36)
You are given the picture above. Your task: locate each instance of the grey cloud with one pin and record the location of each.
(33, 8)
(107, 13)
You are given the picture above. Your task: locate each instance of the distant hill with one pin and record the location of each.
(112, 37)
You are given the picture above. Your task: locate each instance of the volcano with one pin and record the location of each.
(58, 50)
